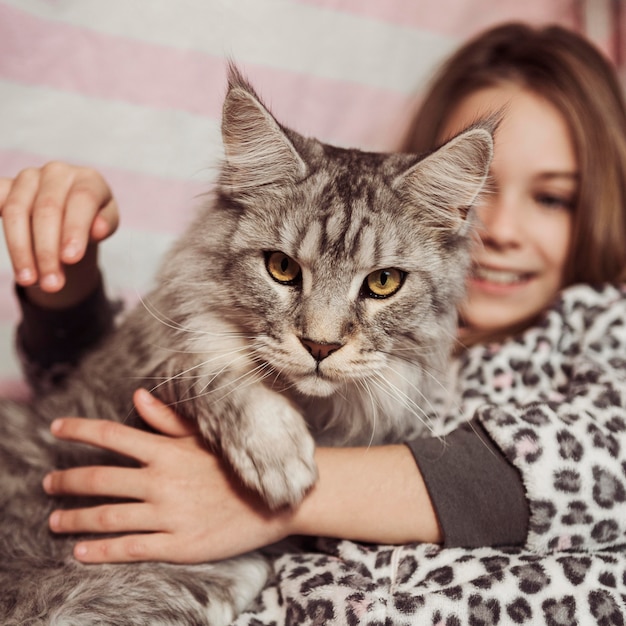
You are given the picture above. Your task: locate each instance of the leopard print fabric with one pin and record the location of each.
(554, 401)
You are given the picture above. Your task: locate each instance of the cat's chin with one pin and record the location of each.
(315, 386)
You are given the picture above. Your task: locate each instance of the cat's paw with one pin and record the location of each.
(274, 454)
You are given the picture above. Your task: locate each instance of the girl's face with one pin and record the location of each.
(525, 217)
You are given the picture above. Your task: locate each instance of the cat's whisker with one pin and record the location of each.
(213, 376)
(375, 407)
(204, 392)
(434, 373)
(192, 352)
(396, 394)
(417, 389)
(437, 378)
(174, 325)
(160, 316)
(245, 380)
(278, 373)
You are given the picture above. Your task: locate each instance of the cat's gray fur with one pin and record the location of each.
(235, 350)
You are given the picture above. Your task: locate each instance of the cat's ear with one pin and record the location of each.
(257, 149)
(448, 181)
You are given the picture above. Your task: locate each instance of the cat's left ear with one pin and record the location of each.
(258, 150)
(448, 181)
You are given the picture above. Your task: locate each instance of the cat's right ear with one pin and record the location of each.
(448, 181)
(258, 151)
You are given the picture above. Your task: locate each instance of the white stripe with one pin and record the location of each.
(5, 264)
(75, 128)
(277, 33)
(9, 366)
(130, 260)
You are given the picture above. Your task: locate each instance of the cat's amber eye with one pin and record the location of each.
(282, 268)
(383, 283)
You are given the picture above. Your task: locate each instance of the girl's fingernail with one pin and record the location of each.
(47, 483)
(71, 249)
(55, 518)
(50, 281)
(80, 550)
(25, 276)
(146, 396)
(55, 426)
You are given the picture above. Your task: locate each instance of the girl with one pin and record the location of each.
(526, 492)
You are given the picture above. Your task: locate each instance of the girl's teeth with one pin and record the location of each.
(498, 276)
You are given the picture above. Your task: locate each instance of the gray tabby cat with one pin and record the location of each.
(314, 298)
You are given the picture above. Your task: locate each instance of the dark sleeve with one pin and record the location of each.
(477, 494)
(51, 342)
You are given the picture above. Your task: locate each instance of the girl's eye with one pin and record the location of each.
(282, 268)
(383, 283)
(553, 201)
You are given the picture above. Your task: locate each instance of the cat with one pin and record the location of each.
(312, 300)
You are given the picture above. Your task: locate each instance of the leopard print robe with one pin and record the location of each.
(554, 401)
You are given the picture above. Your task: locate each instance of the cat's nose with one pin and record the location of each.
(319, 351)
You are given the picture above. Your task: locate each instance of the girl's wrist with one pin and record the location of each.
(81, 280)
(366, 494)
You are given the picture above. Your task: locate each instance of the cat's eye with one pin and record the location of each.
(282, 268)
(383, 283)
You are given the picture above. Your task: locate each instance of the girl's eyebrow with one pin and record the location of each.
(575, 176)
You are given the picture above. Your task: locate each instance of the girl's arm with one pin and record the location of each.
(193, 510)
(51, 341)
(53, 219)
(197, 511)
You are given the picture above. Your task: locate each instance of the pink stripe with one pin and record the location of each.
(14, 389)
(454, 17)
(335, 111)
(40, 52)
(146, 202)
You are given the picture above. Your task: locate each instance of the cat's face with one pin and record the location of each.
(339, 279)
(339, 264)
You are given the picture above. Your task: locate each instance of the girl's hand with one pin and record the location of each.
(187, 507)
(53, 217)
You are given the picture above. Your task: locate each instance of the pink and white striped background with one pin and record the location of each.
(134, 89)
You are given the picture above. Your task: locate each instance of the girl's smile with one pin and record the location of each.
(498, 279)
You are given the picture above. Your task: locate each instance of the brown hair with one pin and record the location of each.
(568, 71)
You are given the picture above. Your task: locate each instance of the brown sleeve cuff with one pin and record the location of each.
(477, 494)
(47, 337)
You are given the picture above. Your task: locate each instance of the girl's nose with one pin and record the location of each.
(500, 225)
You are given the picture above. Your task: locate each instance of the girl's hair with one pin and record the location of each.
(569, 72)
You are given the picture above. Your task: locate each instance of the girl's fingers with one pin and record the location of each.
(125, 440)
(107, 518)
(16, 222)
(87, 199)
(105, 481)
(162, 417)
(131, 548)
(48, 215)
(106, 222)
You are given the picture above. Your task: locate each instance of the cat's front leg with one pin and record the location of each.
(266, 441)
